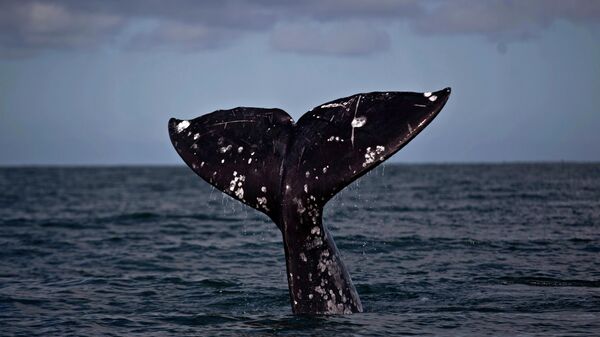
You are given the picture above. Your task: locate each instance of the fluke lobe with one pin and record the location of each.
(290, 170)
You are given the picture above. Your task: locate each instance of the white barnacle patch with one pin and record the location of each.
(225, 148)
(322, 266)
(332, 105)
(235, 185)
(317, 242)
(307, 174)
(249, 160)
(262, 202)
(303, 257)
(240, 149)
(196, 136)
(306, 188)
(336, 138)
(432, 98)
(299, 205)
(314, 213)
(371, 154)
(239, 193)
(369, 157)
(315, 230)
(359, 122)
(182, 126)
(325, 169)
(263, 189)
(427, 94)
(201, 164)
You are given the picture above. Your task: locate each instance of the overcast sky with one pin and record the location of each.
(95, 81)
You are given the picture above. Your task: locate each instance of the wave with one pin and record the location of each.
(549, 282)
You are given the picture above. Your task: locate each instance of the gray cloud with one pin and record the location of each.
(29, 26)
(504, 20)
(339, 27)
(339, 10)
(348, 39)
(183, 37)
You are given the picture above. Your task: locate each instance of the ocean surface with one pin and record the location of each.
(434, 250)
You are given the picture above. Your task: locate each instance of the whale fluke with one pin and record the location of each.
(290, 170)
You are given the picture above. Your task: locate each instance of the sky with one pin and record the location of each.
(94, 82)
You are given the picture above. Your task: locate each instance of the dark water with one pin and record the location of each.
(461, 250)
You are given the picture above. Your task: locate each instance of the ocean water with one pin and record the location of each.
(461, 250)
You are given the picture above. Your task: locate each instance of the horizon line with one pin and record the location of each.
(156, 165)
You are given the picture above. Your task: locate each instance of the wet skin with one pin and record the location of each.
(290, 170)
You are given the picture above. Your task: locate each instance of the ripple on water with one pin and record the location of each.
(464, 250)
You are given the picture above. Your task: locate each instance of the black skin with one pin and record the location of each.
(290, 170)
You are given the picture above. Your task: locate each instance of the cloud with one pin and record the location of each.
(346, 39)
(504, 21)
(29, 26)
(334, 27)
(183, 37)
(339, 10)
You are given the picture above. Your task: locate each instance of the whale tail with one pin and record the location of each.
(290, 170)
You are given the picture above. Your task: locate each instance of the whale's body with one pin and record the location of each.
(290, 170)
